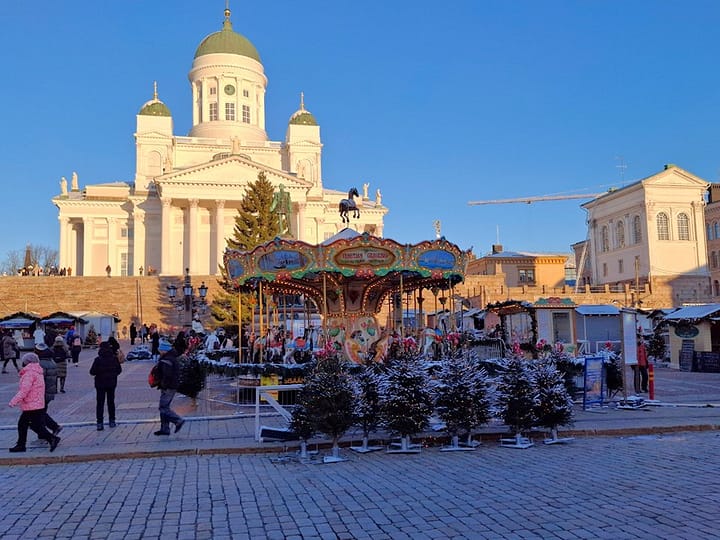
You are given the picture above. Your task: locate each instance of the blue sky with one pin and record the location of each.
(435, 103)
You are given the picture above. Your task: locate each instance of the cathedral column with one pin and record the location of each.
(196, 105)
(88, 231)
(192, 236)
(319, 230)
(166, 211)
(64, 244)
(300, 232)
(219, 236)
(138, 251)
(112, 253)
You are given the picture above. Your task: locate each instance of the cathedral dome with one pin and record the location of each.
(227, 41)
(154, 107)
(302, 117)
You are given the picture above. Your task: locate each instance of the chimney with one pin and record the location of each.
(496, 248)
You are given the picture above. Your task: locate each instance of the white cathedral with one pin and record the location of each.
(181, 206)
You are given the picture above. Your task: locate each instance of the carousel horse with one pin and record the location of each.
(428, 342)
(347, 205)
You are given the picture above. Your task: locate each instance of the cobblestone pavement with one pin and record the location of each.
(595, 488)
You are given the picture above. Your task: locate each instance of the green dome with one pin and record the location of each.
(155, 108)
(303, 118)
(227, 41)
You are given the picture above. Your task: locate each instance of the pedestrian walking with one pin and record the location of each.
(75, 349)
(105, 368)
(169, 367)
(50, 376)
(155, 342)
(133, 333)
(642, 365)
(61, 355)
(10, 351)
(31, 399)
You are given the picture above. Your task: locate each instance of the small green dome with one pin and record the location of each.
(155, 108)
(227, 41)
(303, 118)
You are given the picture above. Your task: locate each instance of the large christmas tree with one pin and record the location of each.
(255, 224)
(462, 396)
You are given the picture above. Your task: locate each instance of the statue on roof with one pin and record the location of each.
(74, 185)
(63, 186)
(282, 208)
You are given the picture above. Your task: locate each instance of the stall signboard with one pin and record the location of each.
(594, 382)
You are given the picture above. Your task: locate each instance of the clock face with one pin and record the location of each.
(229, 89)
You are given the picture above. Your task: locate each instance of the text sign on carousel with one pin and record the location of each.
(364, 256)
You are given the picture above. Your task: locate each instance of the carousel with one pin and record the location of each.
(350, 277)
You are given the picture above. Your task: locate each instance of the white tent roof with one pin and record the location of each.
(693, 312)
(597, 309)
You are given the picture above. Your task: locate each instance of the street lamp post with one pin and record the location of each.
(188, 303)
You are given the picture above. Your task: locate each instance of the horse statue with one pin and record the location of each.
(347, 205)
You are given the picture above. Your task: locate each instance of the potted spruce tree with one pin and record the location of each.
(516, 402)
(553, 404)
(367, 404)
(406, 402)
(462, 399)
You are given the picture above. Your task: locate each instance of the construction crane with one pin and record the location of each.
(542, 198)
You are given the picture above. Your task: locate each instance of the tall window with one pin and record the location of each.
(604, 269)
(709, 231)
(637, 230)
(716, 229)
(663, 228)
(604, 239)
(246, 93)
(246, 114)
(716, 284)
(213, 112)
(683, 225)
(621, 266)
(714, 259)
(620, 234)
(230, 111)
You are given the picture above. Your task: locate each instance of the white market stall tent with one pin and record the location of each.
(104, 324)
(596, 325)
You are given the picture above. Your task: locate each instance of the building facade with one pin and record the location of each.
(650, 232)
(179, 209)
(521, 268)
(712, 235)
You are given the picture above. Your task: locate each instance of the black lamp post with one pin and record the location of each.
(188, 302)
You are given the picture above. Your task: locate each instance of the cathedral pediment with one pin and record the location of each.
(674, 176)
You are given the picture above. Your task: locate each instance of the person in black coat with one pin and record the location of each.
(169, 367)
(105, 368)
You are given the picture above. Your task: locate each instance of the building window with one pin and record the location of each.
(604, 269)
(683, 225)
(637, 230)
(709, 231)
(527, 275)
(716, 229)
(714, 259)
(604, 239)
(246, 114)
(213, 91)
(213, 112)
(716, 286)
(620, 266)
(230, 112)
(620, 234)
(663, 229)
(246, 93)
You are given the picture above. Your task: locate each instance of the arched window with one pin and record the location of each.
(709, 231)
(620, 234)
(663, 229)
(683, 225)
(716, 229)
(637, 230)
(604, 239)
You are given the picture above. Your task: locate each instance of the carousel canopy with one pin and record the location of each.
(348, 273)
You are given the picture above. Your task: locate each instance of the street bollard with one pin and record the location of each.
(651, 381)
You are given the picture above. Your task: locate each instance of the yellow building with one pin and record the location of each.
(521, 268)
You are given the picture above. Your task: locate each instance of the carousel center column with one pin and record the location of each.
(219, 235)
(165, 235)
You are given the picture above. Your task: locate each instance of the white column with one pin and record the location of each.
(112, 252)
(64, 244)
(196, 105)
(88, 231)
(139, 249)
(192, 236)
(165, 235)
(220, 243)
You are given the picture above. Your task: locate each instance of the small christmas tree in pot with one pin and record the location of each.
(406, 401)
(301, 423)
(516, 402)
(553, 405)
(367, 404)
(462, 399)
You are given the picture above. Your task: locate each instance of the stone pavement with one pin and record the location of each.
(217, 425)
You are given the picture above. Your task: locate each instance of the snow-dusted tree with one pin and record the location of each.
(406, 402)
(328, 399)
(516, 397)
(367, 402)
(553, 404)
(462, 397)
(302, 423)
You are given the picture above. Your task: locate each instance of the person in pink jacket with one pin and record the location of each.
(31, 399)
